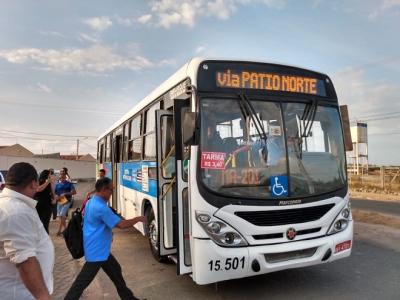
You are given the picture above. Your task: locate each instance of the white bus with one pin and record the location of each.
(238, 166)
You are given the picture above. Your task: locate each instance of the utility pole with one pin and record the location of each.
(77, 149)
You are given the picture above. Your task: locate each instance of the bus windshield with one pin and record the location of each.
(263, 149)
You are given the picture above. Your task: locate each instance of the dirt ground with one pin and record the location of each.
(375, 196)
(375, 218)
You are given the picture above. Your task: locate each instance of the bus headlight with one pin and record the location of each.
(220, 232)
(342, 220)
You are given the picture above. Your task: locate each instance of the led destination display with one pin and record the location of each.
(269, 81)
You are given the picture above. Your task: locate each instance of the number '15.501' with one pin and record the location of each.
(229, 264)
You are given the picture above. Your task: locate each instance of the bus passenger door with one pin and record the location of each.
(116, 166)
(166, 178)
(182, 216)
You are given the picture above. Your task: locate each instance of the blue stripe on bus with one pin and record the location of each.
(131, 176)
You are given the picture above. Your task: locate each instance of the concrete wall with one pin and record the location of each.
(77, 169)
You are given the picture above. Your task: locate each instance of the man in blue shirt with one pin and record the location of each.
(64, 191)
(98, 223)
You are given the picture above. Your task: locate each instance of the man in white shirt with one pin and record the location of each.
(2, 182)
(26, 251)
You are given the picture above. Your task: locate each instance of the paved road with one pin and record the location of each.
(372, 272)
(386, 207)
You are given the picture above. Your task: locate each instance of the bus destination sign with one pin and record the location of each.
(270, 82)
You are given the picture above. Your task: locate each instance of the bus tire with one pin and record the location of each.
(152, 231)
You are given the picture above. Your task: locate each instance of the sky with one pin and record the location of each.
(70, 69)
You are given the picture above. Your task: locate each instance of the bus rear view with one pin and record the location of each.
(271, 183)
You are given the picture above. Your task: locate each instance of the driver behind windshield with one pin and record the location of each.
(213, 141)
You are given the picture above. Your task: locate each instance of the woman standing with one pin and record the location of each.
(44, 197)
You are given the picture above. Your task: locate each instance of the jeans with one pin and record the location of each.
(113, 270)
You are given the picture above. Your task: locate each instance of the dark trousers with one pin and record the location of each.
(44, 216)
(111, 267)
(54, 210)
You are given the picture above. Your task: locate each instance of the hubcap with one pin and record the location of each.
(153, 234)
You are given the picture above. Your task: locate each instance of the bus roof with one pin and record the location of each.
(189, 70)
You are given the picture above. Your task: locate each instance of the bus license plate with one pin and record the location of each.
(342, 246)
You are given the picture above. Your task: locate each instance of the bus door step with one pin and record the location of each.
(174, 258)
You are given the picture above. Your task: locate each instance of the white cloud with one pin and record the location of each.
(88, 38)
(145, 19)
(99, 23)
(205, 51)
(186, 12)
(168, 62)
(373, 9)
(365, 97)
(96, 59)
(124, 21)
(52, 33)
(43, 88)
(177, 12)
(222, 9)
(388, 4)
(200, 50)
(279, 4)
(391, 6)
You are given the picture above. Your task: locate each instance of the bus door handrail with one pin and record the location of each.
(168, 188)
(168, 156)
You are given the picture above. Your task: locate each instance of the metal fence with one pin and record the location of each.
(377, 178)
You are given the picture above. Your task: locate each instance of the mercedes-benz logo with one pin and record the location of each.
(291, 233)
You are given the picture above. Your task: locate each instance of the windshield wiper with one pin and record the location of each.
(307, 119)
(248, 110)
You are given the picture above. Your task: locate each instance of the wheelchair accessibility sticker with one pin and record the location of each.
(279, 186)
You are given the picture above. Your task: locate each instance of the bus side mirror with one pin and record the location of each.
(188, 128)
(344, 113)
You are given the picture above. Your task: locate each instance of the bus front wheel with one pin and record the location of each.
(154, 242)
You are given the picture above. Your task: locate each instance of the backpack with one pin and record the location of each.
(73, 235)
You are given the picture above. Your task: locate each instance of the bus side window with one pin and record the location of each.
(125, 142)
(135, 142)
(100, 155)
(150, 133)
(185, 151)
(168, 146)
(108, 149)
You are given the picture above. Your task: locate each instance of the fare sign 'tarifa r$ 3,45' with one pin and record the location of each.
(266, 81)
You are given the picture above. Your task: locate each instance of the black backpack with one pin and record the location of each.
(73, 235)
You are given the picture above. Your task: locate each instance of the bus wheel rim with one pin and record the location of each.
(153, 234)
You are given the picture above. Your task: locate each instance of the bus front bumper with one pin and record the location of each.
(212, 263)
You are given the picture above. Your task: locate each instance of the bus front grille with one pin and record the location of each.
(280, 235)
(285, 216)
(285, 256)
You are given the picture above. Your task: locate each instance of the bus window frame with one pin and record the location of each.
(108, 147)
(118, 133)
(125, 142)
(131, 139)
(155, 106)
(100, 151)
(163, 137)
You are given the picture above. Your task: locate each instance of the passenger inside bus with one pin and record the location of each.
(213, 141)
